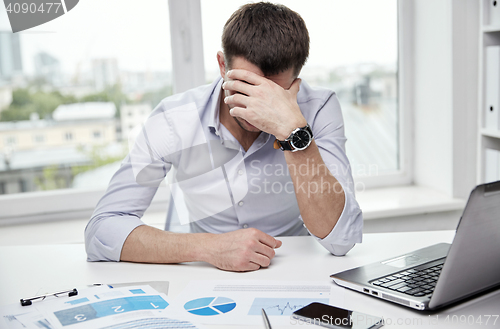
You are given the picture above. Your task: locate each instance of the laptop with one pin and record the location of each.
(442, 274)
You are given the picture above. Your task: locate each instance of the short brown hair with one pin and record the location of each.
(270, 36)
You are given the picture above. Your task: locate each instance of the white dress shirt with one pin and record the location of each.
(221, 187)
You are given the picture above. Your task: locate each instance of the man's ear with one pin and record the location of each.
(222, 64)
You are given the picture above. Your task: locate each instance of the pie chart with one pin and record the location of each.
(208, 306)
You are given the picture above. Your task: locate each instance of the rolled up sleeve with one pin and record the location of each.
(105, 236)
(119, 212)
(347, 232)
(129, 194)
(328, 129)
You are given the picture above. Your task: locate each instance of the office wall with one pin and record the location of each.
(433, 93)
(445, 94)
(465, 94)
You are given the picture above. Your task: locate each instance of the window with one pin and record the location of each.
(39, 139)
(10, 140)
(23, 186)
(91, 55)
(132, 65)
(353, 51)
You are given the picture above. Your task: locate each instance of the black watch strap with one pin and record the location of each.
(287, 146)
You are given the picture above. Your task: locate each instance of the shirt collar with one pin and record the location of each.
(214, 121)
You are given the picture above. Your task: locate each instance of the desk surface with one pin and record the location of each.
(25, 269)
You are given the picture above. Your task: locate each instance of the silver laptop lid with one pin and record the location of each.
(473, 261)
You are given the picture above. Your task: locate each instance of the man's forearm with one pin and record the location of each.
(147, 244)
(240, 250)
(320, 196)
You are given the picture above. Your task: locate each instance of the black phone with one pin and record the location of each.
(334, 317)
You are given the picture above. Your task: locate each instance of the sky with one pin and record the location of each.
(342, 32)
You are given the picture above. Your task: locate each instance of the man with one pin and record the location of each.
(257, 154)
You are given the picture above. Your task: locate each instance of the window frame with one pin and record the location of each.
(39, 139)
(67, 204)
(97, 134)
(11, 140)
(404, 175)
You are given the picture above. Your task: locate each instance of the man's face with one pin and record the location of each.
(283, 79)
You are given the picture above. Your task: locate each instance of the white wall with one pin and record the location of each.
(465, 94)
(187, 44)
(433, 94)
(445, 94)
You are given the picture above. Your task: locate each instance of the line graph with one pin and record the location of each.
(281, 306)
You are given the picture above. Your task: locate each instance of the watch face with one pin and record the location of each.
(301, 139)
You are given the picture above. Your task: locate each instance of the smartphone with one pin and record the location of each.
(334, 317)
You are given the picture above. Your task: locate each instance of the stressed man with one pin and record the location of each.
(256, 154)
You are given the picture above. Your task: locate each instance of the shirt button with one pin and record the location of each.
(240, 203)
(240, 172)
(245, 225)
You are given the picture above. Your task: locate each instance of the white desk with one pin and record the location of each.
(25, 269)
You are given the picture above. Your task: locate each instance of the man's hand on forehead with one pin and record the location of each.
(264, 103)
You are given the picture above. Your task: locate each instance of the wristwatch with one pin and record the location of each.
(298, 140)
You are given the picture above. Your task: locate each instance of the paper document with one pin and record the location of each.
(240, 302)
(100, 307)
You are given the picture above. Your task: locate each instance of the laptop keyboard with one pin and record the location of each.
(415, 282)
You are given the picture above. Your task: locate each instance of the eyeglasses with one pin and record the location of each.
(29, 301)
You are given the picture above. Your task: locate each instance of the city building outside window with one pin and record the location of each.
(63, 83)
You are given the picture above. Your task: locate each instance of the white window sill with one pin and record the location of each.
(377, 203)
(405, 201)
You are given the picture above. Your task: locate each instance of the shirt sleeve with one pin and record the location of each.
(328, 130)
(348, 230)
(129, 194)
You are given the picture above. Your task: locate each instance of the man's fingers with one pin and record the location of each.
(252, 266)
(238, 112)
(236, 99)
(244, 75)
(278, 244)
(244, 250)
(268, 240)
(265, 250)
(261, 260)
(238, 86)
